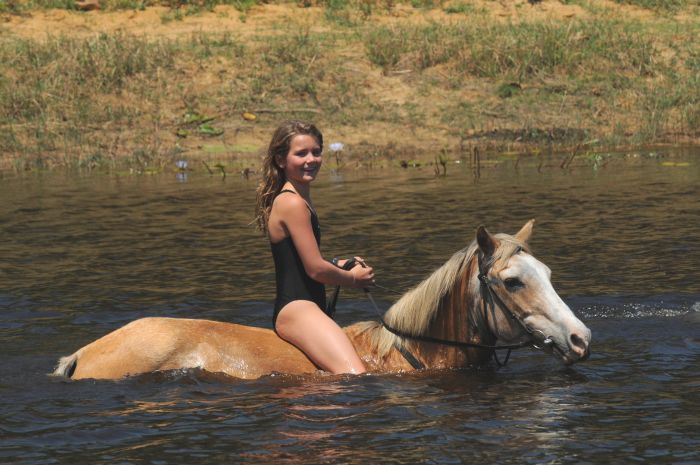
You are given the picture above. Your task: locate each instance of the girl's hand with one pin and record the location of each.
(363, 275)
(358, 261)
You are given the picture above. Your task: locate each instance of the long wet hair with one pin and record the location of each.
(273, 178)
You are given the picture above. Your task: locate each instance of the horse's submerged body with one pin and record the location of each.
(492, 292)
(158, 344)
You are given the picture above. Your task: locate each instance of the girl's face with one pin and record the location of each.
(303, 160)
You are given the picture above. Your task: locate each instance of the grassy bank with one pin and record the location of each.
(392, 81)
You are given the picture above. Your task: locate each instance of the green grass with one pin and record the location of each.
(517, 51)
(63, 97)
(658, 5)
(345, 12)
(88, 102)
(179, 7)
(58, 93)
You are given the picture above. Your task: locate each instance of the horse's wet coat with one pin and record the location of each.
(447, 305)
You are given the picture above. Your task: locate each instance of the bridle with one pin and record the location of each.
(539, 340)
(489, 298)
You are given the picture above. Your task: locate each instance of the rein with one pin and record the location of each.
(487, 295)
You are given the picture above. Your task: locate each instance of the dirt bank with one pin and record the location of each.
(232, 75)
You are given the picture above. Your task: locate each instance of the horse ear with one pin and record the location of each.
(525, 232)
(487, 243)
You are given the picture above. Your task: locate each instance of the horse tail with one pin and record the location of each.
(66, 366)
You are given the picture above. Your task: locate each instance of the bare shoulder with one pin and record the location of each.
(290, 205)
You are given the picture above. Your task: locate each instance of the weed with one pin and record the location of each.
(57, 102)
(508, 90)
(658, 5)
(518, 51)
(339, 12)
(293, 62)
(425, 4)
(385, 46)
(71, 99)
(460, 8)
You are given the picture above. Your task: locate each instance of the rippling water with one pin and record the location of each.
(80, 256)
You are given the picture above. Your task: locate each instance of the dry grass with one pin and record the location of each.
(384, 78)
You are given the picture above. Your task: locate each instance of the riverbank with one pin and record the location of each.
(394, 83)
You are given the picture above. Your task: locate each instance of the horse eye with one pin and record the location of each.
(513, 284)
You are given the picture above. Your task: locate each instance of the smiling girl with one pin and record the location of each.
(284, 211)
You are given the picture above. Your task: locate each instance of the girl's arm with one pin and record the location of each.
(296, 217)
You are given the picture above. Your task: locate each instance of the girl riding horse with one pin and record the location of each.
(285, 212)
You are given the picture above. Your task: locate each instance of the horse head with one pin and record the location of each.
(521, 303)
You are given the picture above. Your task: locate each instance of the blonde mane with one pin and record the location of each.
(417, 308)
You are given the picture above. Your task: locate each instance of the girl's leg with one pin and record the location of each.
(305, 325)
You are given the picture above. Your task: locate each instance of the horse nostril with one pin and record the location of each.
(579, 344)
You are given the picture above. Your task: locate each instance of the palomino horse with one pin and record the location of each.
(492, 291)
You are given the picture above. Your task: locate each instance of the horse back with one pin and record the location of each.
(158, 343)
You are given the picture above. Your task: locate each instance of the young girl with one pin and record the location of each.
(285, 212)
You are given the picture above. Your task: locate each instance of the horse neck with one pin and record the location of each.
(460, 315)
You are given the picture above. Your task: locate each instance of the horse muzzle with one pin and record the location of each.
(578, 348)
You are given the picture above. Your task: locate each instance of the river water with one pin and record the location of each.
(83, 255)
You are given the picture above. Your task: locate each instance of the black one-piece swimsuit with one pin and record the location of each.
(293, 283)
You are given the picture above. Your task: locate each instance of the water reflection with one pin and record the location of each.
(84, 255)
